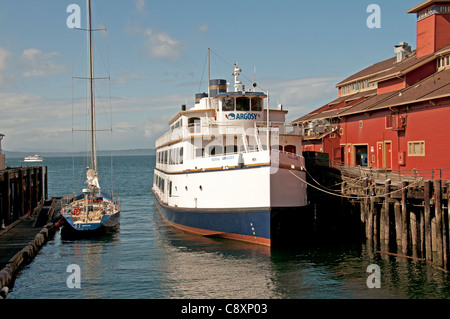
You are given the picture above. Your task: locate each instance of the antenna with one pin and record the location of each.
(236, 73)
(254, 79)
(209, 76)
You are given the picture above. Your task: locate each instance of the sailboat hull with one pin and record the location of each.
(108, 223)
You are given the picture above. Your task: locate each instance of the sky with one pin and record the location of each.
(151, 57)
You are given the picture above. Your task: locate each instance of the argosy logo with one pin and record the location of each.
(241, 116)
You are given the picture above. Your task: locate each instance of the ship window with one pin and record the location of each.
(228, 104)
(256, 104)
(194, 125)
(231, 149)
(181, 156)
(199, 152)
(215, 150)
(242, 104)
(172, 158)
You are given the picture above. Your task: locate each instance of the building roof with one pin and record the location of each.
(371, 71)
(433, 87)
(424, 5)
(368, 100)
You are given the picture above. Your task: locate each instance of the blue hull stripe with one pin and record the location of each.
(238, 222)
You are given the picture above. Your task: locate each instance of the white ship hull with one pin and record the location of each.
(219, 173)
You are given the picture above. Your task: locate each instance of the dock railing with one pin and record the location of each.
(393, 174)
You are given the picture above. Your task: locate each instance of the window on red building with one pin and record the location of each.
(391, 121)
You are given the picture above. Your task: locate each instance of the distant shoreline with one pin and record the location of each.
(130, 152)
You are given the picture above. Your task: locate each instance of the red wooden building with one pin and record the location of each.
(394, 114)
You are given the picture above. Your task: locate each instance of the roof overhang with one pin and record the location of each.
(424, 5)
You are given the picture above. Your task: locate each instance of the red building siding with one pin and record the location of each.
(430, 124)
(442, 34)
(426, 36)
(425, 123)
(391, 85)
(420, 73)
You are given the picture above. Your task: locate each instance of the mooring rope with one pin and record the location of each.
(354, 197)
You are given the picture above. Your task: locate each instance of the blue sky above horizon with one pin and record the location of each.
(155, 53)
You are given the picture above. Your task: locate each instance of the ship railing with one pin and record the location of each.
(280, 127)
(199, 130)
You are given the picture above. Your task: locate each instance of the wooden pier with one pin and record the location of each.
(26, 217)
(399, 215)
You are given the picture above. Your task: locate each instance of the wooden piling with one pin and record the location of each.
(445, 229)
(427, 220)
(405, 218)
(438, 215)
(20, 191)
(415, 232)
(45, 183)
(364, 206)
(370, 219)
(386, 221)
(398, 224)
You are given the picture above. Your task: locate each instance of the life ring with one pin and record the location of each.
(76, 211)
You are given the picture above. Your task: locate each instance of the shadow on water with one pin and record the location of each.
(327, 262)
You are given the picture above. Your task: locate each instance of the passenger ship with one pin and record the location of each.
(230, 167)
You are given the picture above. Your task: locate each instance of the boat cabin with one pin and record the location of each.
(223, 122)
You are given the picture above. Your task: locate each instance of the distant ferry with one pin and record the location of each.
(34, 158)
(230, 167)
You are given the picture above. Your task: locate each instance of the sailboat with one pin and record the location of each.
(92, 211)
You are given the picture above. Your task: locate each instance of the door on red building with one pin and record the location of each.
(388, 152)
(380, 155)
(349, 155)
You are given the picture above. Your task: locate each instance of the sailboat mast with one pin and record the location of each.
(92, 102)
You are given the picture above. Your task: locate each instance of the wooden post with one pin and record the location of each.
(29, 192)
(35, 187)
(7, 199)
(438, 214)
(405, 218)
(415, 241)
(387, 190)
(3, 202)
(16, 212)
(364, 206)
(446, 229)
(370, 214)
(21, 194)
(427, 221)
(398, 225)
(40, 183)
(45, 183)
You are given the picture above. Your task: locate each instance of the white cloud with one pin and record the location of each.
(4, 54)
(203, 28)
(125, 78)
(140, 5)
(32, 121)
(40, 64)
(161, 45)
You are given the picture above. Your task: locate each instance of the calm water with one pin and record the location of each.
(147, 259)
